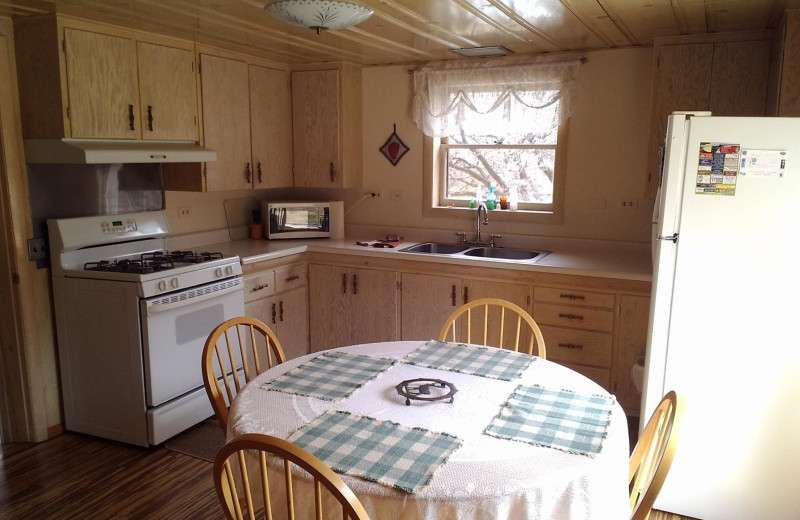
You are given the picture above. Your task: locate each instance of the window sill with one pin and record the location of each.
(502, 215)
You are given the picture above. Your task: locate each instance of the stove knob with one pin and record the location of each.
(218, 272)
(162, 285)
(174, 283)
(229, 270)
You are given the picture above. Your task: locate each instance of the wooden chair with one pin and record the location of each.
(243, 485)
(653, 454)
(494, 314)
(245, 347)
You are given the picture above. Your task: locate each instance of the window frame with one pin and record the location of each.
(434, 157)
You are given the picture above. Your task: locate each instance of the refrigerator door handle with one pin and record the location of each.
(673, 237)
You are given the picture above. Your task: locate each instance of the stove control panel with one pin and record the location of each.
(118, 226)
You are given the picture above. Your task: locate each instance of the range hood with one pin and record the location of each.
(111, 151)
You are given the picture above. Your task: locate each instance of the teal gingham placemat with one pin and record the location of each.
(560, 419)
(492, 362)
(376, 450)
(332, 376)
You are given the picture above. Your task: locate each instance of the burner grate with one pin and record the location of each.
(152, 262)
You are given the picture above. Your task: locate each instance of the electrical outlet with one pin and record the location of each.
(627, 204)
(183, 212)
(37, 249)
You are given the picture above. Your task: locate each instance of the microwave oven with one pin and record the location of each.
(296, 219)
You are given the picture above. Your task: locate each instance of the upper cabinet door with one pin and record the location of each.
(226, 122)
(101, 82)
(168, 93)
(271, 127)
(316, 124)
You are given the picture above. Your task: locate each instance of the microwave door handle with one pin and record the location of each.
(283, 219)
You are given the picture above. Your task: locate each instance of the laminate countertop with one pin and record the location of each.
(619, 260)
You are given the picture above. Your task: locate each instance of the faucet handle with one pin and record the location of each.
(492, 237)
(463, 236)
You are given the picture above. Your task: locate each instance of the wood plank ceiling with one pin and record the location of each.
(408, 31)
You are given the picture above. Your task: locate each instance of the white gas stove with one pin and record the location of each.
(132, 321)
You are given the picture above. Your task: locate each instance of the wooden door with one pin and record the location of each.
(271, 127)
(316, 129)
(515, 293)
(426, 302)
(226, 122)
(327, 306)
(634, 314)
(101, 82)
(373, 306)
(292, 318)
(168, 93)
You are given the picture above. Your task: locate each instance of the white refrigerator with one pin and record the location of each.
(725, 315)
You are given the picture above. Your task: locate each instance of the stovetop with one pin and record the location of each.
(152, 262)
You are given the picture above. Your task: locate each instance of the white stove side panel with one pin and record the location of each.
(100, 355)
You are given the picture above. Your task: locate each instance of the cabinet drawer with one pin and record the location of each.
(577, 346)
(259, 285)
(601, 376)
(574, 297)
(572, 316)
(292, 277)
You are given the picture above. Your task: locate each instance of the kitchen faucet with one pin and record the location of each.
(481, 206)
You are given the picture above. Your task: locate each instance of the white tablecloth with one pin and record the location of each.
(487, 477)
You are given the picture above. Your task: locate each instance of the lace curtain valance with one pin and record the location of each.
(442, 96)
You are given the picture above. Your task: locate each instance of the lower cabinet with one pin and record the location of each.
(351, 305)
(279, 298)
(634, 315)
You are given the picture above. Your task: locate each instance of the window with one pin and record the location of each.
(498, 126)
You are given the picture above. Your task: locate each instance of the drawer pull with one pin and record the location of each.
(569, 345)
(259, 287)
(571, 316)
(453, 295)
(344, 283)
(292, 278)
(280, 310)
(355, 284)
(572, 296)
(273, 314)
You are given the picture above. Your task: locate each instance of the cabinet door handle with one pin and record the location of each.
(571, 316)
(466, 294)
(273, 313)
(280, 310)
(258, 169)
(292, 278)
(131, 117)
(344, 283)
(570, 345)
(453, 295)
(355, 284)
(572, 296)
(332, 173)
(150, 117)
(259, 287)
(247, 173)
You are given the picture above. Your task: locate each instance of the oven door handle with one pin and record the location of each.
(154, 308)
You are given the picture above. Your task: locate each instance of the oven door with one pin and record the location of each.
(174, 331)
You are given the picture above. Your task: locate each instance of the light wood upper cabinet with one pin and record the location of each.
(270, 131)
(247, 120)
(789, 66)
(226, 122)
(168, 92)
(101, 82)
(82, 80)
(326, 121)
(705, 73)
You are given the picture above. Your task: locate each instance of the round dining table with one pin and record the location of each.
(485, 477)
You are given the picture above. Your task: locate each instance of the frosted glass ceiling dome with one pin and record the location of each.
(319, 14)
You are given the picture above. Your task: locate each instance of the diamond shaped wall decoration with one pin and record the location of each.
(394, 149)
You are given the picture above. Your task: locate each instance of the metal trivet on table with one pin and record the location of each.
(424, 389)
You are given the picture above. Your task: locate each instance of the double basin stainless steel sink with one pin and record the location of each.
(464, 250)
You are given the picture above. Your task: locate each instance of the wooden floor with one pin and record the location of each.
(78, 477)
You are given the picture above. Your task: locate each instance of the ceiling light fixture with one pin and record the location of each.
(472, 52)
(319, 15)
